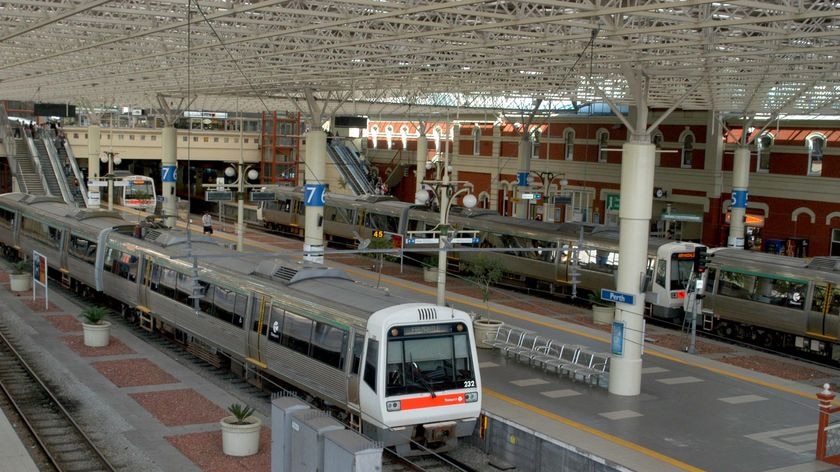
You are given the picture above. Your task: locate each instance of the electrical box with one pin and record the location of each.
(282, 409)
(308, 428)
(348, 451)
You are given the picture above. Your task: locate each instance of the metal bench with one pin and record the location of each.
(567, 356)
(527, 344)
(594, 374)
(507, 336)
(541, 348)
(585, 359)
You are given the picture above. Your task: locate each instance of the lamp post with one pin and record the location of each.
(244, 172)
(446, 191)
(110, 157)
(545, 181)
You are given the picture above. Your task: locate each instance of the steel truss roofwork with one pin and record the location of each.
(418, 56)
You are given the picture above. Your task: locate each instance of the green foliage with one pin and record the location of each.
(94, 314)
(596, 300)
(241, 412)
(381, 243)
(22, 266)
(485, 271)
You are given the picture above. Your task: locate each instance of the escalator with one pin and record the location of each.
(352, 169)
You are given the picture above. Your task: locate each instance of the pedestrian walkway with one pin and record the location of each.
(13, 454)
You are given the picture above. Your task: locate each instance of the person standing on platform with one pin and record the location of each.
(207, 222)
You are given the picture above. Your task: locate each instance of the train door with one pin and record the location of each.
(355, 367)
(824, 315)
(256, 325)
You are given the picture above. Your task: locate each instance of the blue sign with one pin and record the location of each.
(168, 173)
(618, 338)
(739, 198)
(315, 195)
(617, 297)
(522, 178)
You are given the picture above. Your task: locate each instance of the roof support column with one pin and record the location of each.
(740, 183)
(422, 154)
(637, 173)
(520, 209)
(169, 158)
(94, 137)
(314, 188)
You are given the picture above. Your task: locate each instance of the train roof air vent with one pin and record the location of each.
(427, 314)
(284, 273)
(828, 264)
(153, 235)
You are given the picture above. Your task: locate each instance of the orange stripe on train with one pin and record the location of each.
(429, 402)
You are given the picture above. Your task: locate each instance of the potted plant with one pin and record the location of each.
(485, 271)
(603, 312)
(96, 329)
(240, 431)
(430, 269)
(20, 279)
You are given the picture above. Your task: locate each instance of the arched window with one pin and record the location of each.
(569, 140)
(762, 146)
(404, 136)
(657, 138)
(687, 140)
(476, 136)
(816, 146)
(389, 136)
(374, 135)
(603, 138)
(536, 136)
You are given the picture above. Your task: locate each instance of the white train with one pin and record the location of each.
(535, 254)
(406, 373)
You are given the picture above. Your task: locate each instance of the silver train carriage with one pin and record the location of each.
(403, 371)
(776, 301)
(534, 254)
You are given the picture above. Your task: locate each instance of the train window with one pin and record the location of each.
(600, 260)
(763, 289)
(358, 345)
(297, 332)
(275, 322)
(834, 302)
(371, 359)
(329, 344)
(239, 310)
(41, 231)
(82, 248)
(7, 218)
(681, 269)
(661, 271)
(205, 303)
(818, 300)
(167, 282)
(184, 288)
(419, 364)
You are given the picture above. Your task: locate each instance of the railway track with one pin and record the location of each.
(62, 442)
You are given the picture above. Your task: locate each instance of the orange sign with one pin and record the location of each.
(429, 402)
(756, 221)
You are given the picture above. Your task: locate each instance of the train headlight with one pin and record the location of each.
(392, 405)
(471, 397)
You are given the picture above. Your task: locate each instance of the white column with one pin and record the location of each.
(422, 151)
(520, 210)
(637, 172)
(315, 190)
(169, 175)
(740, 183)
(94, 137)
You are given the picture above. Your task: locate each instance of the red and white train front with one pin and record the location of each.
(421, 384)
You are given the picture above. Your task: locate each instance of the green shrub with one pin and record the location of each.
(240, 412)
(22, 266)
(94, 314)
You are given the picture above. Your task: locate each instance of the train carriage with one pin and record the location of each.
(306, 325)
(575, 258)
(776, 301)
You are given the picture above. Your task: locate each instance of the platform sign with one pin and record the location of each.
(531, 196)
(613, 202)
(617, 344)
(617, 297)
(314, 195)
(168, 173)
(562, 200)
(218, 196)
(93, 200)
(263, 196)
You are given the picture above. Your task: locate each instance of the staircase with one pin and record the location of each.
(47, 167)
(28, 177)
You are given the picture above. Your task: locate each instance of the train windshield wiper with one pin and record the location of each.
(424, 382)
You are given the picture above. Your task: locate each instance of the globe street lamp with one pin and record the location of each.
(446, 191)
(110, 158)
(251, 174)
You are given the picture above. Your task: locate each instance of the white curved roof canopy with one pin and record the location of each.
(413, 56)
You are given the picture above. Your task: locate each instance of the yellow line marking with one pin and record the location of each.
(588, 429)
